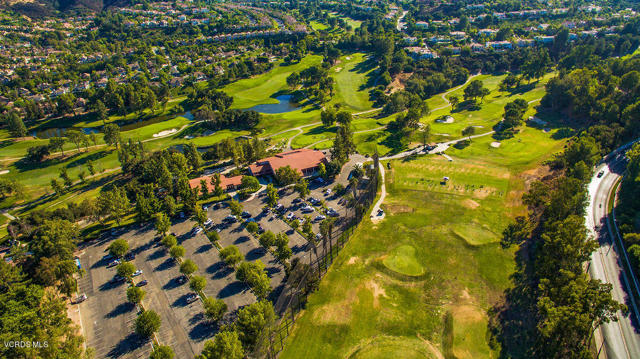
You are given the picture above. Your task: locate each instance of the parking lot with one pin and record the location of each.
(107, 317)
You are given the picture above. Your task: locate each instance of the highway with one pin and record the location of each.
(621, 339)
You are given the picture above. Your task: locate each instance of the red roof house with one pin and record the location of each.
(227, 183)
(305, 161)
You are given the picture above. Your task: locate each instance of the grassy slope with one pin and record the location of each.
(352, 77)
(260, 89)
(465, 268)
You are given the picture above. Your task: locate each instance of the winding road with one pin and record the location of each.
(616, 339)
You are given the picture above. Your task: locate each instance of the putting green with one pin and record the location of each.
(403, 260)
(393, 347)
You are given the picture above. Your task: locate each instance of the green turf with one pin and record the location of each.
(448, 232)
(354, 76)
(261, 89)
(318, 26)
(403, 260)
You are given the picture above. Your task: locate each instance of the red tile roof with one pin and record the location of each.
(299, 160)
(225, 182)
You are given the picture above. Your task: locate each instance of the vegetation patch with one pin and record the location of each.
(393, 347)
(475, 234)
(403, 260)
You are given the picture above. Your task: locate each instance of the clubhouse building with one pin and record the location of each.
(226, 183)
(305, 161)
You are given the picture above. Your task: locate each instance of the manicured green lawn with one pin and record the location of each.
(354, 76)
(443, 238)
(260, 89)
(318, 26)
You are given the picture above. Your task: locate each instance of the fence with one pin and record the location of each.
(304, 277)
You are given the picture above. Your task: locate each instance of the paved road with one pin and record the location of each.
(621, 340)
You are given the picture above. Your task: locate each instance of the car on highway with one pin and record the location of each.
(137, 273)
(113, 263)
(142, 283)
(600, 174)
(192, 297)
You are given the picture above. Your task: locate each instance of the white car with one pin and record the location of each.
(307, 209)
(137, 273)
(208, 222)
(327, 192)
(197, 230)
(320, 218)
(291, 216)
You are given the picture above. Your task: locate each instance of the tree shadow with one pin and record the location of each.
(130, 343)
(204, 248)
(168, 263)
(120, 309)
(255, 253)
(201, 331)
(232, 289)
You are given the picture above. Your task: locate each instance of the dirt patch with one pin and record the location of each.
(398, 208)
(399, 82)
(376, 290)
(352, 260)
(467, 313)
(469, 203)
(338, 69)
(495, 144)
(336, 312)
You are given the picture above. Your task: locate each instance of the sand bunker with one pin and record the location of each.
(165, 133)
(447, 119)
(495, 144)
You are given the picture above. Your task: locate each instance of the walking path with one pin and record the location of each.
(375, 216)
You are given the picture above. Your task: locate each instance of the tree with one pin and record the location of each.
(214, 309)
(176, 252)
(204, 188)
(135, 295)
(293, 80)
(225, 345)
(169, 241)
(126, 270)
(283, 252)
(77, 137)
(101, 111)
(57, 144)
(328, 118)
(197, 283)
(469, 131)
(162, 352)
(235, 207)
(254, 322)
(286, 175)
(252, 227)
(254, 275)
(302, 188)
(200, 216)
(112, 135)
(513, 113)
(15, 125)
(216, 181)
(163, 224)
(272, 195)
(454, 100)
(250, 183)
(344, 118)
(231, 255)
(188, 267)
(193, 156)
(118, 248)
(57, 187)
(147, 323)
(267, 239)
(474, 90)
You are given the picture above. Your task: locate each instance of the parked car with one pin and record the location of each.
(320, 217)
(181, 214)
(108, 257)
(208, 222)
(197, 230)
(182, 279)
(230, 218)
(314, 200)
(118, 278)
(192, 297)
(297, 200)
(245, 214)
(129, 256)
(291, 216)
(319, 180)
(137, 273)
(204, 208)
(600, 173)
(216, 206)
(307, 209)
(318, 236)
(79, 299)
(142, 283)
(331, 212)
(380, 212)
(113, 263)
(279, 207)
(327, 192)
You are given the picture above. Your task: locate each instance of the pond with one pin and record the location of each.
(126, 126)
(284, 105)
